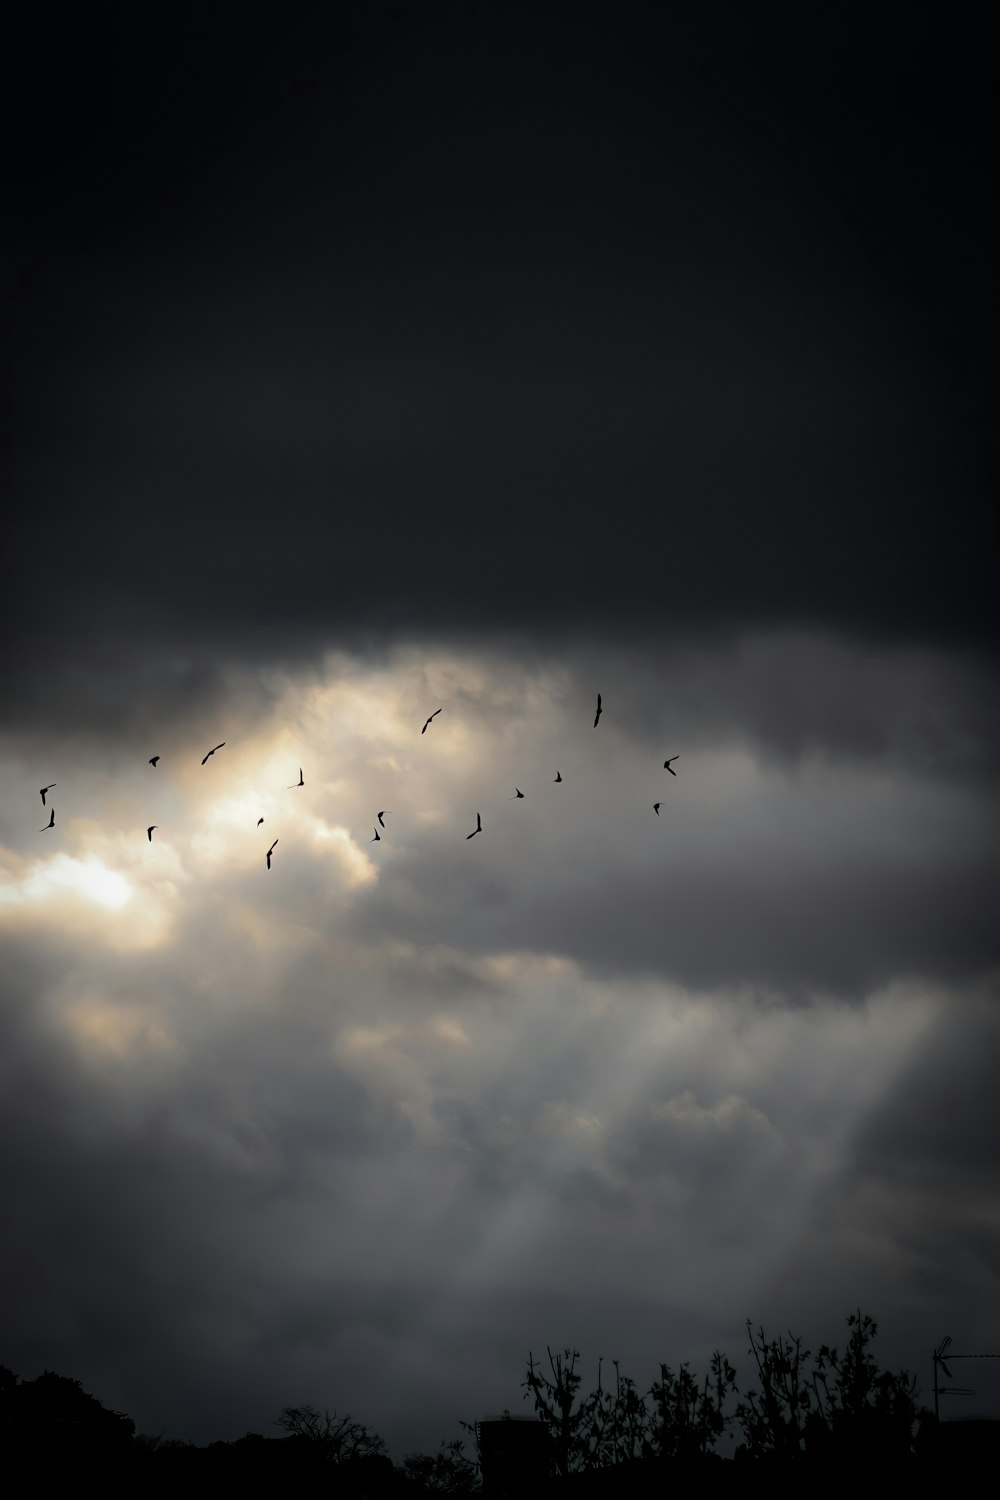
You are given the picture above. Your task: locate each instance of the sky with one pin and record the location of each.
(368, 361)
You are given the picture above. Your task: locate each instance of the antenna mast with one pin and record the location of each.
(938, 1359)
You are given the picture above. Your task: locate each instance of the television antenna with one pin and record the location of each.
(939, 1357)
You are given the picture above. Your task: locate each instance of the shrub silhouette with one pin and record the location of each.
(844, 1408)
(861, 1413)
(573, 1432)
(773, 1420)
(447, 1472)
(678, 1418)
(688, 1419)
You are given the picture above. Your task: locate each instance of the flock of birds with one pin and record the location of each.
(154, 761)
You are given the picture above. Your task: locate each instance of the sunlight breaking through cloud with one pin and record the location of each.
(87, 877)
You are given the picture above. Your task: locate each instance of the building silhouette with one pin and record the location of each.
(515, 1456)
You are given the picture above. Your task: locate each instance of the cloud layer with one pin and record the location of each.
(420, 1104)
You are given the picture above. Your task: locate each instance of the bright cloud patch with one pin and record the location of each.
(88, 878)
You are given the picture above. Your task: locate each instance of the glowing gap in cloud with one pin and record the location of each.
(89, 878)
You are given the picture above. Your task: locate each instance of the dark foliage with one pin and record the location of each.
(833, 1410)
(51, 1423)
(329, 1438)
(840, 1408)
(678, 1418)
(447, 1472)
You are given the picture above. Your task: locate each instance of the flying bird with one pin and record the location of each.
(656, 808)
(378, 837)
(558, 777)
(259, 822)
(433, 716)
(269, 852)
(478, 828)
(43, 789)
(300, 782)
(381, 815)
(517, 793)
(668, 767)
(149, 831)
(213, 750)
(599, 710)
(50, 823)
(152, 761)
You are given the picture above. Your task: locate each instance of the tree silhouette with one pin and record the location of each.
(447, 1472)
(52, 1421)
(337, 1440)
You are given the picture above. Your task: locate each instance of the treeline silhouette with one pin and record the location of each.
(833, 1410)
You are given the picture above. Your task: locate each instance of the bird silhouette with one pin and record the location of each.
(259, 822)
(668, 767)
(558, 777)
(433, 716)
(149, 831)
(656, 808)
(517, 793)
(599, 710)
(300, 782)
(381, 815)
(269, 852)
(51, 821)
(152, 761)
(213, 750)
(478, 828)
(378, 837)
(43, 789)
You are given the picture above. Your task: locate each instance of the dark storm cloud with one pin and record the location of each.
(468, 326)
(794, 697)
